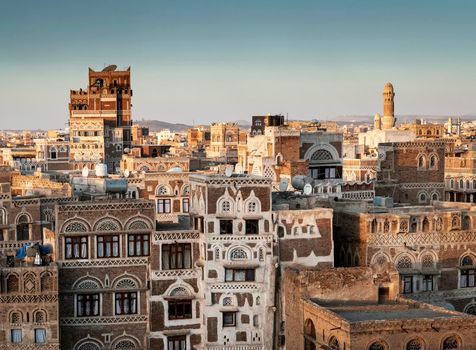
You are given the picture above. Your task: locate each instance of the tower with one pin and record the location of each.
(388, 119)
(100, 119)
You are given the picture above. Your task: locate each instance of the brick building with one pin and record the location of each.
(100, 119)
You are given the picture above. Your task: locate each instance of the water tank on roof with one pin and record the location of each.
(101, 170)
(299, 181)
(116, 185)
(175, 169)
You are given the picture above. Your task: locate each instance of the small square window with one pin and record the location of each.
(251, 227)
(226, 227)
(229, 319)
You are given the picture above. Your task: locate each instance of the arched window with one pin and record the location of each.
(333, 343)
(39, 317)
(427, 262)
(467, 272)
(378, 345)
(3, 216)
(23, 228)
(425, 225)
(125, 344)
(421, 162)
(227, 301)
(373, 228)
(16, 318)
(461, 184)
(13, 284)
(162, 191)
(217, 253)
(414, 344)
(179, 292)
(468, 185)
(452, 183)
(434, 196)
(238, 254)
(470, 309)
(46, 282)
(451, 343)
(309, 335)
(422, 198)
(433, 162)
(404, 263)
(88, 346)
(53, 153)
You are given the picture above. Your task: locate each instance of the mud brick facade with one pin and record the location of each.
(411, 172)
(103, 250)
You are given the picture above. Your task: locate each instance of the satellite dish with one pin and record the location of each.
(283, 184)
(85, 171)
(307, 189)
(110, 68)
(127, 173)
(238, 169)
(229, 171)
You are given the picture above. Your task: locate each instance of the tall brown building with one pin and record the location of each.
(100, 119)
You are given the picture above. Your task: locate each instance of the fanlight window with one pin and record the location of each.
(427, 262)
(414, 344)
(138, 225)
(87, 284)
(162, 191)
(15, 318)
(451, 343)
(179, 292)
(227, 301)
(39, 317)
(126, 283)
(186, 191)
(88, 346)
(107, 225)
(471, 309)
(76, 227)
(238, 254)
(378, 345)
(404, 263)
(467, 261)
(125, 344)
(321, 154)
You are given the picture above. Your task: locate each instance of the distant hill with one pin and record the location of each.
(156, 125)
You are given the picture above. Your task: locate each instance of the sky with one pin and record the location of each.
(203, 61)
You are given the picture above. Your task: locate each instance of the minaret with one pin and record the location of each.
(450, 126)
(388, 119)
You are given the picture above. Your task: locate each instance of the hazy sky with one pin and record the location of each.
(205, 61)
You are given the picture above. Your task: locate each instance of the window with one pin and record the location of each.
(180, 309)
(467, 278)
(414, 344)
(427, 283)
(138, 245)
(87, 305)
(163, 206)
(451, 343)
(252, 207)
(251, 227)
(16, 335)
(40, 335)
(177, 343)
(432, 162)
(407, 284)
(176, 256)
(53, 153)
(378, 345)
(309, 335)
(126, 303)
(239, 275)
(76, 247)
(23, 228)
(226, 227)
(226, 206)
(185, 205)
(229, 319)
(333, 343)
(421, 162)
(107, 246)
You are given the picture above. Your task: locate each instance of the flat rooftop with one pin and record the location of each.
(391, 311)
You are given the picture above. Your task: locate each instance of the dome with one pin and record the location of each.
(388, 87)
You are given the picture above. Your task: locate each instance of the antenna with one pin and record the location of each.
(283, 184)
(229, 171)
(307, 189)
